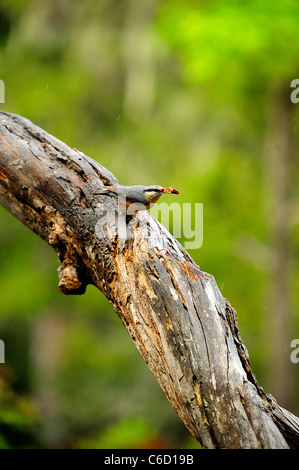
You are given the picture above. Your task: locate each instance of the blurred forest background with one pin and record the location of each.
(194, 94)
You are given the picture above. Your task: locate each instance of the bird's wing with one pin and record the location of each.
(136, 194)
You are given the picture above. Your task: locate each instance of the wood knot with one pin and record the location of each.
(69, 279)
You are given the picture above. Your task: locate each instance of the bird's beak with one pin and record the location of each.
(170, 190)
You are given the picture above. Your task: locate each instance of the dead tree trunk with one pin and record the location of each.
(184, 329)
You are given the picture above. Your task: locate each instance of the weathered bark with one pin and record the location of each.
(185, 330)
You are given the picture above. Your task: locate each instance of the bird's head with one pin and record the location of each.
(154, 192)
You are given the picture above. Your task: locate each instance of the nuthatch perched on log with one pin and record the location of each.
(135, 198)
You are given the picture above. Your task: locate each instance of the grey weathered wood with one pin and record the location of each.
(184, 328)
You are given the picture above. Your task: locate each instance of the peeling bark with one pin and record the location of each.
(184, 328)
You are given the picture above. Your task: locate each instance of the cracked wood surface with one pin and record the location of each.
(184, 328)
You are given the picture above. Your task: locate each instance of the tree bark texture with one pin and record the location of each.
(184, 328)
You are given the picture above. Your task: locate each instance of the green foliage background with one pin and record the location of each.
(171, 92)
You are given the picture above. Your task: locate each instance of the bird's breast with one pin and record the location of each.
(153, 198)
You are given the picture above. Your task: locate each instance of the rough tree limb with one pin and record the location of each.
(184, 329)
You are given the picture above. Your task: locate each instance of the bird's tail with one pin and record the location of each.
(104, 190)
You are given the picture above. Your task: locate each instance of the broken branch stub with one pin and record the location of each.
(185, 330)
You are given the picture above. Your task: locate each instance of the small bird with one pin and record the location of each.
(134, 198)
